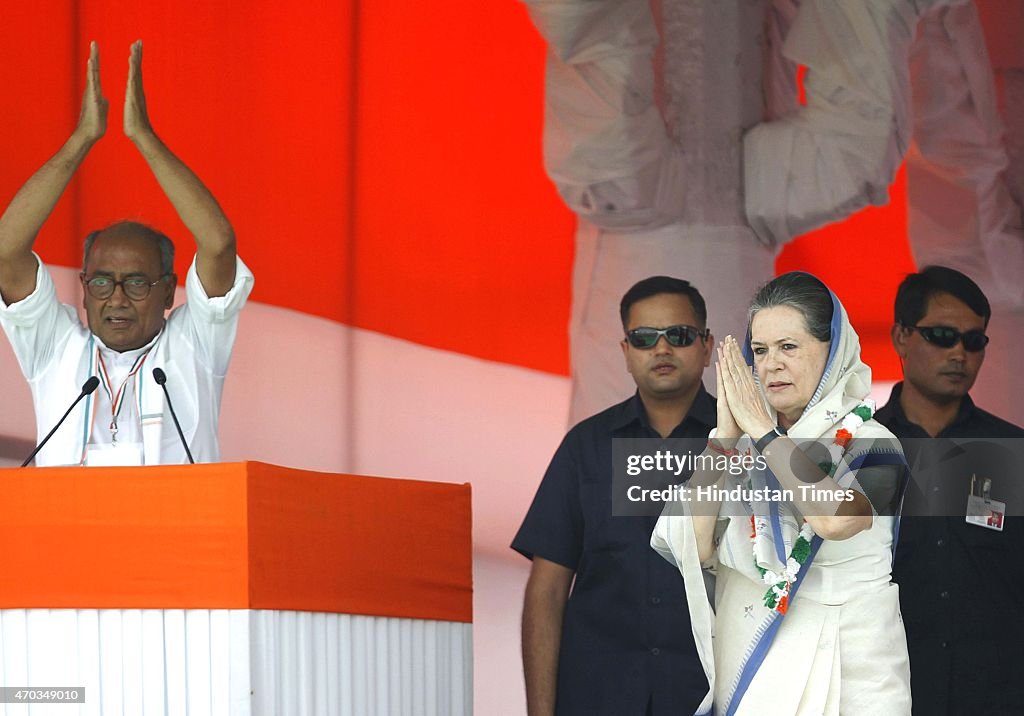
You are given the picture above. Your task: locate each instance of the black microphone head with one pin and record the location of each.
(90, 385)
(159, 376)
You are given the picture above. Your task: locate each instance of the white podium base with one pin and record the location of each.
(198, 662)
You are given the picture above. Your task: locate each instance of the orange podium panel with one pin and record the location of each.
(234, 536)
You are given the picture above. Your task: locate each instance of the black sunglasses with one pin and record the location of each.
(974, 340)
(678, 336)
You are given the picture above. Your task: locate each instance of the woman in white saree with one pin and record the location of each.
(805, 619)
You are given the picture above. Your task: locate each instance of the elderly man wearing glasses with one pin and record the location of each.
(128, 282)
(960, 578)
(621, 642)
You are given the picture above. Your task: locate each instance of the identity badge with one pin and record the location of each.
(114, 455)
(982, 510)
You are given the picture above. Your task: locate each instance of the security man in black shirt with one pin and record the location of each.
(961, 580)
(620, 644)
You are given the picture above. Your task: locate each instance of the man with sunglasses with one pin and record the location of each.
(128, 282)
(960, 583)
(620, 642)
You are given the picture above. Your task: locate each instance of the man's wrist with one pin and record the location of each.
(81, 141)
(146, 141)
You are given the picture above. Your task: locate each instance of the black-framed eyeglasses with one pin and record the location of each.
(678, 336)
(136, 288)
(973, 340)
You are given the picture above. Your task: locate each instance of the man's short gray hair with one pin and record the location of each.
(164, 244)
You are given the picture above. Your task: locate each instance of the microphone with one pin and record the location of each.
(87, 388)
(161, 379)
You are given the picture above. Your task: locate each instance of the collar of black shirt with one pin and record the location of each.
(704, 410)
(892, 411)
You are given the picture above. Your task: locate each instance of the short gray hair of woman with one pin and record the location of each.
(801, 291)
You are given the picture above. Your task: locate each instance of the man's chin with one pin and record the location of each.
(669, 391)
(958, 385)
(949, 393)
(118, 342)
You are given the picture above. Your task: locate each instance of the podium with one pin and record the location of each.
(235, 589)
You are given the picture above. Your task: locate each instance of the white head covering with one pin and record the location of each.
(844, 384)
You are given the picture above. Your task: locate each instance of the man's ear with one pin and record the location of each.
(899, 335)
(172, 284)
(709, 349)
(624, 344)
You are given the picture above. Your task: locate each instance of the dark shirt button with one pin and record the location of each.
(940, 542)
(655, 651)
(945, 645)
(655, 601)
(944, 595)
(935, 488)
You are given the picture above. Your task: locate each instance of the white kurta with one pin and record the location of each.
(57, 354)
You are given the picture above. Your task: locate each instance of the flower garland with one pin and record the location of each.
(780, 585)
(853, 420)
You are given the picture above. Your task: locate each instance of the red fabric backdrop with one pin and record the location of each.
(380, 161)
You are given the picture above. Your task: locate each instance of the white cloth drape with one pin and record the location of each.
(605, 143)
(839, 153)
(961, 212)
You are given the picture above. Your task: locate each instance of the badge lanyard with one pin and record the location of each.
(117, 399)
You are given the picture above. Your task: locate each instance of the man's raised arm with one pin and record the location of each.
(30, 207)
(198, 210)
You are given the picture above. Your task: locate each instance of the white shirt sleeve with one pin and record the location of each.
(38, 325)
(210, 324)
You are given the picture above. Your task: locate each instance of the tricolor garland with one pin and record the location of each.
(780, 585)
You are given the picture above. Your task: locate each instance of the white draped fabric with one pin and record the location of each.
(961, 212)
(839, 153)
(641, 146)
(605, 143)
(963, 175)
(141, 662)
(647, 154)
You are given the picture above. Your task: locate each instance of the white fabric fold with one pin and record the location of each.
(961, 211)
(840, 152)
(605, 143)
